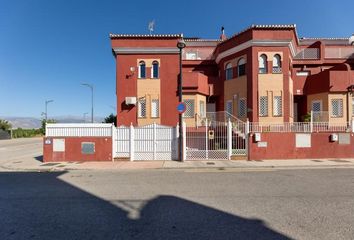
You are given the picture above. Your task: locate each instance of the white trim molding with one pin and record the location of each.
(154, 50)
(252, 43)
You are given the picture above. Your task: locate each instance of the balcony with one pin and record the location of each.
(276, 70)
(339, 53)
(196, 82)
(308, 54)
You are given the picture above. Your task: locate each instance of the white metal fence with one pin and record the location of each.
(151, 142)
(306, 127)
(79, 129)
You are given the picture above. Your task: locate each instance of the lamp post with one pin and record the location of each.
(180, 44)
(46, 108)
(91, 87)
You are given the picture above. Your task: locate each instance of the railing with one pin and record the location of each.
(341, 53)
(276, 70)
(308, 53)
(222, 116)
(303, 127)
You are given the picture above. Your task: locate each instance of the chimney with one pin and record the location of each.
(223, 36)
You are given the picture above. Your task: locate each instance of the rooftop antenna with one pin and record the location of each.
(151, 26)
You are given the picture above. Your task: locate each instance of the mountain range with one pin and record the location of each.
(31, 122)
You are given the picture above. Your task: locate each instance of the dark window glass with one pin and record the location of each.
(155, 69)
(142, 70)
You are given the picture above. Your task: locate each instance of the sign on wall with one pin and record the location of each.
(58, 145)
(303, 140)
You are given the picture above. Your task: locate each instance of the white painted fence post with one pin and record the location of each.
(154, 140)
(206, 139)
(184, 141)
(353, 125)
(311, 122)
(131, 142)
(114, 142)
(229, 139)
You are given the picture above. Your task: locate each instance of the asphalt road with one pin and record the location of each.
(171, 204)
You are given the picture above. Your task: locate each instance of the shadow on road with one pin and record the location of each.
(39, 158)
(41, 206)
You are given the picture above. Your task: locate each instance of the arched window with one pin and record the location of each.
(241, 67)
(142, 69)
(276, 63)
(155, 69)
(228, 71)
(262, 63)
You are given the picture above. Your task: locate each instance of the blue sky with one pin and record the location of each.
(47, 48)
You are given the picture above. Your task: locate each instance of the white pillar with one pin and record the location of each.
(154, 140)
(353, 125)
(229, 139)
(311, 122)
(206, 139)
(184, 141)
(131, 143)
(114, 142)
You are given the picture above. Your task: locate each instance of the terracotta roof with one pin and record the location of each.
(111, 35)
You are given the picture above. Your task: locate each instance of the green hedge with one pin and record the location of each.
(24, 133)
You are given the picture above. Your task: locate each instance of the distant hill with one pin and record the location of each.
(30, 122)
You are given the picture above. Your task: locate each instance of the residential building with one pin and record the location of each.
(265, 73)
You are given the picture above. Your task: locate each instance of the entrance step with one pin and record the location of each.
(121, 159)
(238, 157)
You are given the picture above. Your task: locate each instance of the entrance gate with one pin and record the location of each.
(216, 140)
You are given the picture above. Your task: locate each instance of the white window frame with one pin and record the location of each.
(340, 110)
(266, 104)
(192, 109)
(262, 58)
(152, 69)
(229, 72)
(279, 108)
(241, 62)
(316, 101)
(140, 112)
(191, 56)
(202, 109)
(157, 113)
(139, 69)
(244, 113)
(229, 107)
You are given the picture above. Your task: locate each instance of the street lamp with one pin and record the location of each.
(180, 44)
(91, 87)
(46, 108)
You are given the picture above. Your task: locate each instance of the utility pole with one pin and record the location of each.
(46, 108)
(91, 87)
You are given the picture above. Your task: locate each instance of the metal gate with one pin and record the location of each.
(150, 142)
(216, 140)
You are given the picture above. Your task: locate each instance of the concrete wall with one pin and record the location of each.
(283, 146)
(72, 152)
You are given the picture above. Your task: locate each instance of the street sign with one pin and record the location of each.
(181, 107)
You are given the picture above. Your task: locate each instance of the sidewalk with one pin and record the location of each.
(211, 164)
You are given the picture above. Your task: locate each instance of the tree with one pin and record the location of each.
(111, 119)
(5, 125)
(44, 122)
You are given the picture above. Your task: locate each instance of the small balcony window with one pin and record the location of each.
(142, 69)
(262, 64)
(277, 64)
(228, 71)
(241, 67)
(155, 70)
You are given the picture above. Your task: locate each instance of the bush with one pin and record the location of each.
(25, 133)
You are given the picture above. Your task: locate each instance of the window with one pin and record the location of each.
(241, 67)
(87, 147)
(337, 107)
(242, 107)
(155, 108)
(201, 109)
(302, 73)
(142, 69)
(155, 69)
(189, 113)
(316, 106)
(228, 71)
(191, 56)
(229, 107)
(142, 108)
(277, 106)
(276, 63)
(262, 62)
(263, 106)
